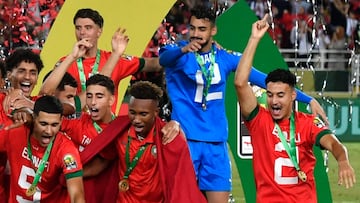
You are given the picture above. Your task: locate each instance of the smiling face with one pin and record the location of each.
(99, 101)
(142, 113)
(46, 126)
(280, 98)
(24, 77)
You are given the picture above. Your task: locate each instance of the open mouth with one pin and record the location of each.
(25, 86)
(45, 139)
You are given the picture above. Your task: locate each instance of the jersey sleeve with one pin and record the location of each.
(70, 159)
(319, 129)
(127, 65)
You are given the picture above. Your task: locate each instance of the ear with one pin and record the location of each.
(157, 111)
(213, 30)
(8, 74)
(293, 95)
(99, 32)
(112, 100)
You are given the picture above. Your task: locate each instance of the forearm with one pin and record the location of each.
(169, 56)
(340, 153)
(152, 65)
(244, 72)
(302, 97)
(53, 80)
(110, 64)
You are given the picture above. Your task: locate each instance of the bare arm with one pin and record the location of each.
(50, 84)
(246, 97)
(152, 65)
(119, 43)
(346, 174)
(95, 166)
(75, 189)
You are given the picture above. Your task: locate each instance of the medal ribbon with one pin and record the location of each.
(207, 73)
(290, 150)
(41, 167)
(98, 128)
(131, 165)
(81, 69)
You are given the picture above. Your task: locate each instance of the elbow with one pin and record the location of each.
(240, 84)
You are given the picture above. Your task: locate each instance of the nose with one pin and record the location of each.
(48, 129)
(27, 75)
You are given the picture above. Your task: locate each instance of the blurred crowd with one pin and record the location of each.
(300, 24)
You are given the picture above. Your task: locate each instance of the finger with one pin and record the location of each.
(14, 125)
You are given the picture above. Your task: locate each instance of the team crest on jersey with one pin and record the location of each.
(154, 151)
(319, 123)
(70, 162)
(127, 57)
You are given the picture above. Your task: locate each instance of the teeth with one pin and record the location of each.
(25, 83)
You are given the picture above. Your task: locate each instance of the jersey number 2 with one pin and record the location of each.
(200, 85)
(278, 166)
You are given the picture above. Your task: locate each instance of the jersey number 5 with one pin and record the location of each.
(24, 184)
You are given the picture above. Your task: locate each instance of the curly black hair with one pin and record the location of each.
(23, 55)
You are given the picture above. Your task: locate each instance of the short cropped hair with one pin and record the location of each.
(48, 104)
(204, 12)
(281, 75)
(89, 13)
(101, 80)
(67, 79)
(23, 55)
(146, 90)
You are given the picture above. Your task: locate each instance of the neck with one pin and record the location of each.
(91, 52)
(207, 47)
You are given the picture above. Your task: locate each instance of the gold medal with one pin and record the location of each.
(31, 191)
(302, 175)
(124, 185)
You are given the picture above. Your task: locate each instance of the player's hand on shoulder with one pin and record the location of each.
(170, 131)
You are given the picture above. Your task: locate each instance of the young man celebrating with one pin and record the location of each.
(149, 170)
(196, 74)
(90, 59)
(39, 154)
(283, 139)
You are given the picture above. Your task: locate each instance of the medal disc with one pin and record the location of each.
(31, 191)
(124, 185)
(302, 175)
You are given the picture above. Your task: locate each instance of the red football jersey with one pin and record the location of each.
(81, 131)
(275, 175)
(126, 66)
(63, 159)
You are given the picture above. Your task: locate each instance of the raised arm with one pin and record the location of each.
(246, 97)
(50, 84)
(119, 42)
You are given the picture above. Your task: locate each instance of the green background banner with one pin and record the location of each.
(234, 27)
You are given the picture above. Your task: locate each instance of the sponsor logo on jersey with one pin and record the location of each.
(70, 162)
(319, 123)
